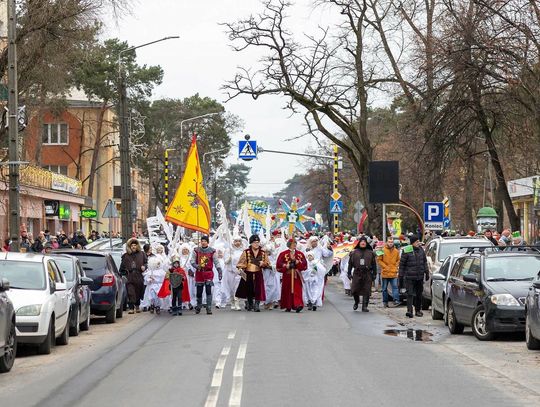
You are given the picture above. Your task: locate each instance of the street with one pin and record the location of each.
(330, 357)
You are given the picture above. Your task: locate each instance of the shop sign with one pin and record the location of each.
(51, 207)
(64, 212)
(60, 182)
(88, 213)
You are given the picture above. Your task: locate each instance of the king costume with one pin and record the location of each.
(291, 263)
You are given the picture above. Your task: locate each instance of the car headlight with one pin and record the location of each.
(505, 299)
(29, 311)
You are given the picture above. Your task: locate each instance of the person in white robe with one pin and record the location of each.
(313, 282)
(185, 262)
(153, 278)
(272, 282)
(343, 265)
(231, 277)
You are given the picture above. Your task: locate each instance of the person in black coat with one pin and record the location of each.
(413, 268)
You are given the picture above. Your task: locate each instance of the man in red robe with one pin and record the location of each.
(291, 263)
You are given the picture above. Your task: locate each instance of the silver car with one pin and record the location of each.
(438, 287)
(8, 339)
(439, 249)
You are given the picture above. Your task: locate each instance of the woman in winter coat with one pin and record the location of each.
(362, 270)
(133, 265)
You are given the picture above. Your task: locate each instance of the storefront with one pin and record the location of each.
(525, 194)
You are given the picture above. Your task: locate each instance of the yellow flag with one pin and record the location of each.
(190, 208)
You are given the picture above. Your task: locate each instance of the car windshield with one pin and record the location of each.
(448, 248)
(66, 266)
(23, 274)
(512, 268)
(93, 265)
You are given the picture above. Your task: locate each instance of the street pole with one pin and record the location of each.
(335, 187)
(384, 222)
(13, 130)
(125, 163)
(193, 118)
(166, 181)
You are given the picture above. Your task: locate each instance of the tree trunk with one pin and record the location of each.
(95, 152)
(468, 195)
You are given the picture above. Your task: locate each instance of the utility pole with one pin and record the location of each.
(13, 130)
(335, 184)
(125, 162)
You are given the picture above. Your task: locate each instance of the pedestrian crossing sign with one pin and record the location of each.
(247, 150)
(336, 207)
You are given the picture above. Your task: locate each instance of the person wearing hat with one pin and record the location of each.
(252, 263)
(133, 264)
(203, 260)
(291, 263)
(362, 270)
(48, 248)
(413, 268)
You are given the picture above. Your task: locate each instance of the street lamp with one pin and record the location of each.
(194, 118)
(214, 191)
(125, 165)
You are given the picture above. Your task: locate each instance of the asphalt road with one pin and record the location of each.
(330, 357)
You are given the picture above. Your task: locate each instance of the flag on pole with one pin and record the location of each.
(190, 208)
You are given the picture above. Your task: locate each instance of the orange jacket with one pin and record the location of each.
(389, 262)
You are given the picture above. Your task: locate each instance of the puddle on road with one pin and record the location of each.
(419, 335)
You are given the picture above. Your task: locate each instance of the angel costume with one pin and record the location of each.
(231, 278)
(272, 282)
(313, 282)
(153, 278)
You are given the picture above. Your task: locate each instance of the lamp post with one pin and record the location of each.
(194, 118)
(125, 165)
(13, 108)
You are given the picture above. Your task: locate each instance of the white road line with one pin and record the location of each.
(235, 399)
(232, 334)
(217, 378)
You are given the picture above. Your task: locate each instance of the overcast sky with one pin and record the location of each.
(201, 61)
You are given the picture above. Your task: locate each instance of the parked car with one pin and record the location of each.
(487, 291)
(108, 287)
(105, 244)
(117, 257)
(78, 286)
(8, 338)
(39, 296)
(532, 315)
(439, 249)
(438, 287)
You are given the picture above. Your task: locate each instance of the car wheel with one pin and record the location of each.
(453, 326)
(435, 315)
(6, 361)
(48, 343)
(532, 342)
(479, 324)
(120, 311)
(76, 328)
(63, 339)
(85, 326)
(110, 318)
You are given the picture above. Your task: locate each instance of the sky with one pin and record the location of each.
(201, 61)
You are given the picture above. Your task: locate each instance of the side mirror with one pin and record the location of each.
(4, 285)
(60, 287)
(86, 281)
(471, 278)
(438, 276)
(536, 284)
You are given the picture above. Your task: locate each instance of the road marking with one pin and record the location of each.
(217, 378)
(235, 399)
(232, 334)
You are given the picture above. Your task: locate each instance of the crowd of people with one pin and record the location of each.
(278, 273)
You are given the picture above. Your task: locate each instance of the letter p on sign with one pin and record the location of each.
(433, 211)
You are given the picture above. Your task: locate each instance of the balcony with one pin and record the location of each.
(38, 177)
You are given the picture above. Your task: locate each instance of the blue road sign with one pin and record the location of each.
(336, 206)
(446, 223)
(433, 212)
(247, 150)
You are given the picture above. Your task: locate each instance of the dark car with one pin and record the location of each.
(108, 288)
(78, 286)
(8, 339)
(532, 315)
(487, 291)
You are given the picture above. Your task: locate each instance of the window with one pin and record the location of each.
(58, 169)
(457, 266)
(56, 275)
(444, 268)
(448, 248)
(55, 133)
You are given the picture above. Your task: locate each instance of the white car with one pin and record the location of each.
(39, 296)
